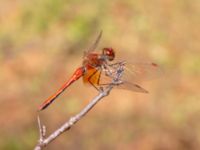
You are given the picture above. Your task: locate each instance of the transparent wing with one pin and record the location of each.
(132, 87)
(126, 85)
(133, 74)
(94, 45)
(137, 72)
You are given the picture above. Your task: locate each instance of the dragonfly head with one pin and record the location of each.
(109, 53)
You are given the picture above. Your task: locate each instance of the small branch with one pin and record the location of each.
(67, 125)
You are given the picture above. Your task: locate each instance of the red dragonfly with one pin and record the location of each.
(93, 71)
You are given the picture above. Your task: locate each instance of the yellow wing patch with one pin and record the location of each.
(92, 75)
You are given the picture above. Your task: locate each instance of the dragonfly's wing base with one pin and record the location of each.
(92, 76)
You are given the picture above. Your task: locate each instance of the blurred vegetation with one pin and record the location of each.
(41, 44)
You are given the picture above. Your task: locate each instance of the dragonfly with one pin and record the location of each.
(98, 68)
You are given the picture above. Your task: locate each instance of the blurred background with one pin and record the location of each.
(41, 44)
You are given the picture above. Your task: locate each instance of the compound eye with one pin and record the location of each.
(109, 52)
